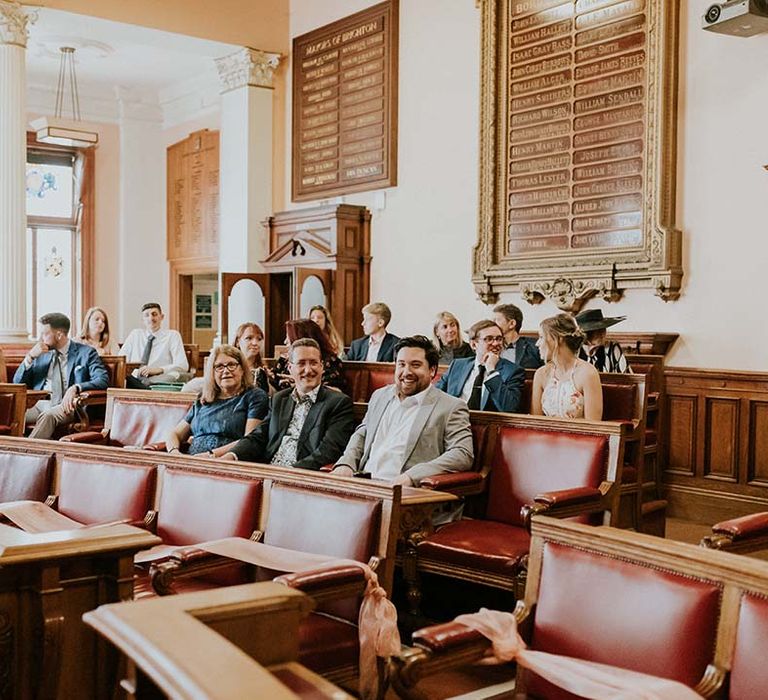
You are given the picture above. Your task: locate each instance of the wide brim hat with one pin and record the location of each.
(593, 320)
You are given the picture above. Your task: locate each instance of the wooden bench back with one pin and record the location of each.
(646, 604)
(13, 405)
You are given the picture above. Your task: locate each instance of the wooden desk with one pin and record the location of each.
(47, 582)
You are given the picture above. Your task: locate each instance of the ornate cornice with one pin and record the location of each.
(247, 67)
(14, 19)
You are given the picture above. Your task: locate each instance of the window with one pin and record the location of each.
(55, 185)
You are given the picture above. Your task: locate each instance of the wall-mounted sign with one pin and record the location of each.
(345, 105)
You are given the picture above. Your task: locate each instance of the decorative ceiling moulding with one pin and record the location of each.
(247, 67)
(14, 21)
(578, 150)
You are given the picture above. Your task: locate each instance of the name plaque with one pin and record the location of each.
(575, 192)
(345, 105)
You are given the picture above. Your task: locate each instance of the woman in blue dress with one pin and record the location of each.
(228, 408)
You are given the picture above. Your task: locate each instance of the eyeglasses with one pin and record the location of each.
(229, 366)
(492, 339)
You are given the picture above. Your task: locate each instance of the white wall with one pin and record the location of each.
(422, 238)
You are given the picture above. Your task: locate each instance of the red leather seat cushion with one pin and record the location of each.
(322, 523)
(528, 462)
(25, 477)
(749, 673)
(197, 507)
(378, 378)
(138, 423)
(326, 643)
(616, 612)
(480, 544)
(98, 492)
(619, 401)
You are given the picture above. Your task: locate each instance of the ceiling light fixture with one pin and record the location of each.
(57, 130)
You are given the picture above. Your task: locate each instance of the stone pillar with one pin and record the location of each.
(13, 158)
(245, 185)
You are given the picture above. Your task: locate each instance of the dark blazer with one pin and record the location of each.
(527, 354)
(327, 429)
(503, 391)
(84, 367)
(358, 349)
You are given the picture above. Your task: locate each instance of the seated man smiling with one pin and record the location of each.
(308, 425)
(411, 429)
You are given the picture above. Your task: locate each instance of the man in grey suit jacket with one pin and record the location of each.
(411, 429)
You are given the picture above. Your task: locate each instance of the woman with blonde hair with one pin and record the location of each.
(566, 386)
(322, 317)
(448, 340)
(228, 408)
(95, 331)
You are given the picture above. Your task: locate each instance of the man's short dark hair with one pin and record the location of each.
(151, 305)
(420, 341)
(304, 343)
(57, 321)
(511, 313)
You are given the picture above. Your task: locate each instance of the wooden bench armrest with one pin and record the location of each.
(155, 447)
(567, 503)
(748, 533)
(186, 562)
(93, 397)
(91, 438)
(461, 483)
(327, 584)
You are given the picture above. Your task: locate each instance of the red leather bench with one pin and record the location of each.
(137, 418)
(628, 600)
(25, 477)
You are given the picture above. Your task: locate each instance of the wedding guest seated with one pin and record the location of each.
(377, 345)
(603, 355)
(411, 429)
(160, 353)
(333, 371)
(62, 367)
(566, 386)
(95, 332)
(229, 407)
(486, 381)
(322, 317)
(448, 340)
(517, 348)
(308, 425)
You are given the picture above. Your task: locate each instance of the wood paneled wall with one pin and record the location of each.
(715, 443)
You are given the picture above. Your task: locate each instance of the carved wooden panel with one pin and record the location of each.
(345, 105)
(757, 464)
(681, 412)
(722, 438)
(193, 197)
(578, 121)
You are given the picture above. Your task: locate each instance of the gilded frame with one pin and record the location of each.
(570, 277)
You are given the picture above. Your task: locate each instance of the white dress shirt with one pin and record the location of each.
(167, 350)
(466, 392)
(388, 449)
(374, 345)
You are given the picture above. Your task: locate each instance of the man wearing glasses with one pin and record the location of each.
(486, 382)
(308, 425)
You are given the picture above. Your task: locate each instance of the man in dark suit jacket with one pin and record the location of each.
(64, 368)
(377, 345)
(486, 382)
(308, 425)
(517, 348)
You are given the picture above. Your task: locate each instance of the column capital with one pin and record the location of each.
(13, 22)
(247, 67)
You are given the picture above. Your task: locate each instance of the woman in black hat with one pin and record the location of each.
(603, 355)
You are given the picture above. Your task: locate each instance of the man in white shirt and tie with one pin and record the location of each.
(160, 353)
(411, 429)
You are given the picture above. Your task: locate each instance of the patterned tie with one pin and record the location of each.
(147, 351)
(477, 389)
(287, 452)
(57, 380)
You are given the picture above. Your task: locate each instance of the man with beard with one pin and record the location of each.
(411, 430)
(308, 424)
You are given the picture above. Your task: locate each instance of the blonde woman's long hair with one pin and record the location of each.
(211, 390)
